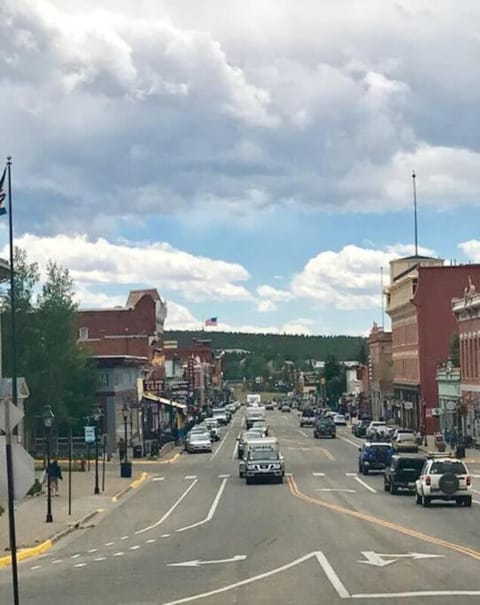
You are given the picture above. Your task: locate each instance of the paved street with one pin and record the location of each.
(325, 535)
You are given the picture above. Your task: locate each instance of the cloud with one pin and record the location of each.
(266, 306)
(348, 279)
(159, 265)
(155, 109)
(273, 294)
(471, 249)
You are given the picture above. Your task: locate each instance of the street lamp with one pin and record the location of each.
(97, 414)
(48, 418)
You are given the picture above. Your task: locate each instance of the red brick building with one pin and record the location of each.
(467, 312)
(380, 371)
(419, 305)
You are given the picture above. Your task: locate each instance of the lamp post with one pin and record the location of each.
(48, 418)
(425, 442)
(144, 423)
(97, 414)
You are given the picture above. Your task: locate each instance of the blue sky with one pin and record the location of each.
(249, 160)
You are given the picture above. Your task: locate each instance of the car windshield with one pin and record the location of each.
(410, 463)
(448, 466)
(200, 437)
(263, 454)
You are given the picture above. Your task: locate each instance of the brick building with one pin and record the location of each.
(381, 371)
(467, 312)
(419, 305)
(126, 343)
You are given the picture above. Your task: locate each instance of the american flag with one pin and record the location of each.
(2, 192)
(212, 321)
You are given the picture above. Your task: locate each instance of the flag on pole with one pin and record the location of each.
(3, 195)
(212, 321)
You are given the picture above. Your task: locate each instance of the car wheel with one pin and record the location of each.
(393, 489)
(365, 470)
(426, 501)
(334, 436)
(279, 479)
(418, 499)
(467, 501)
(249, 481)
(386, 486)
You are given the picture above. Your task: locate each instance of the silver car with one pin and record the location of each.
(199, 442)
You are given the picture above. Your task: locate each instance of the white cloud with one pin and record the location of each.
(348, 279)
(471, 249)
(266, 306)
(273, 294)
(101, 262)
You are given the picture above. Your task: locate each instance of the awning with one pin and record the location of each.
(163, 401)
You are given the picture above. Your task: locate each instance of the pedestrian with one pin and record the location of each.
(54, 474)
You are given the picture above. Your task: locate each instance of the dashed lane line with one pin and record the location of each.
(357, 445)
(304, 433)
(326, 453)
(466, 550)
(365, 485)
(118, 554)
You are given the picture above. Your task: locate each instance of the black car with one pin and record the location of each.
(402, 473)
(360, 428)
(325, 427)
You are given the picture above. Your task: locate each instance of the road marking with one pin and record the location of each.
(304, 433)
(475, 491)
(318, 474)
(426, 593)
(75, 556)
(224, 476)
(165, 535)
(190, 477)
(476, 501)
(235, 451)
(109, 543)
(198, 562)
(476, 476)
(35, 567)
(151, 540)
(118, 554)
(100, 559)
(170, 510)
(326, 453)
(158, 478)
(212, 457)
(80, 565)
(470, 552)
(382, 560)
(136, 547)
(350, 442)
(92, 550)
(350, 474)
(57, 561)
(322, 560)
(212, 510)
(365, 485)
(335, 489)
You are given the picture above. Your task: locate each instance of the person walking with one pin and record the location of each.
(54, 474)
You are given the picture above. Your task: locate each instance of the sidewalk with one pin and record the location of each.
(472, 454)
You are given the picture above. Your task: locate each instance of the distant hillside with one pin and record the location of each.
(293, 347)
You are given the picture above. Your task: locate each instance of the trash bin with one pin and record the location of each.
(137, 451)
(126, 470)
(460, 451)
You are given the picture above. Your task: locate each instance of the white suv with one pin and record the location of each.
(444, 478)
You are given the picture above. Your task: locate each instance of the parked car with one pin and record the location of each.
(199, 442)
(222, 415)
(324, 427)
(214, 427)
(286, 408)
(374, 456)
(444, 478)
(402, 473)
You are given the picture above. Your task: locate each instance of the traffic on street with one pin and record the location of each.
(289, 518)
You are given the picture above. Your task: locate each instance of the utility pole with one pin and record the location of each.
(415, 222)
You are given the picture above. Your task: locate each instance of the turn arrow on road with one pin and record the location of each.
(382, 560)
(198, 562)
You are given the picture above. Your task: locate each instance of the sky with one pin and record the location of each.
(252, 160)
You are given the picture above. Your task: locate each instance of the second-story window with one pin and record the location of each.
(83, 334)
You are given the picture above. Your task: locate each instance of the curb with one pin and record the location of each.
(133, 485)
(35, 551)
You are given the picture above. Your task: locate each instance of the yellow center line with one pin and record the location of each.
(470, 552)
(326, 453)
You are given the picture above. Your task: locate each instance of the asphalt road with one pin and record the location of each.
(326, 535)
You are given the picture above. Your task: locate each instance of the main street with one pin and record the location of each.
(196, 533)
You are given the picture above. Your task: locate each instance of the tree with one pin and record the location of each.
(363, 353)
(454, 352)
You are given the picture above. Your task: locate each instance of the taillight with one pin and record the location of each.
(469, 480)
(428, 480)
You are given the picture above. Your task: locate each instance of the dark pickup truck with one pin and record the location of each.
(402, 472)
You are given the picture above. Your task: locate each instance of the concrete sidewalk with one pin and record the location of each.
(472, 454)
(35, 536)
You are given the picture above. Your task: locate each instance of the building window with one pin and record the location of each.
(103, 379)
(83, 334)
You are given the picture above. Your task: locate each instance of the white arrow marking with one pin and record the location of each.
(380, 560)
(333, 489)
(198, 562)
(322, 561)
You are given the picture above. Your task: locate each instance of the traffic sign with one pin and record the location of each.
(23, 471)
(16, 414)
(89, 434)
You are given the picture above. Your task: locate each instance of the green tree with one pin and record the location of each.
(363, 353)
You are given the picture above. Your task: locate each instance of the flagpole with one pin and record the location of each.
(415, 211)
(8, 433)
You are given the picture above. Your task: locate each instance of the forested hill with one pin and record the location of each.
(286, 346)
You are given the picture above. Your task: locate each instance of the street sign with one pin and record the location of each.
(408, 405)
(89, 434)
(23, 471)
(451, 406)
(16, 414)
(6, 388)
